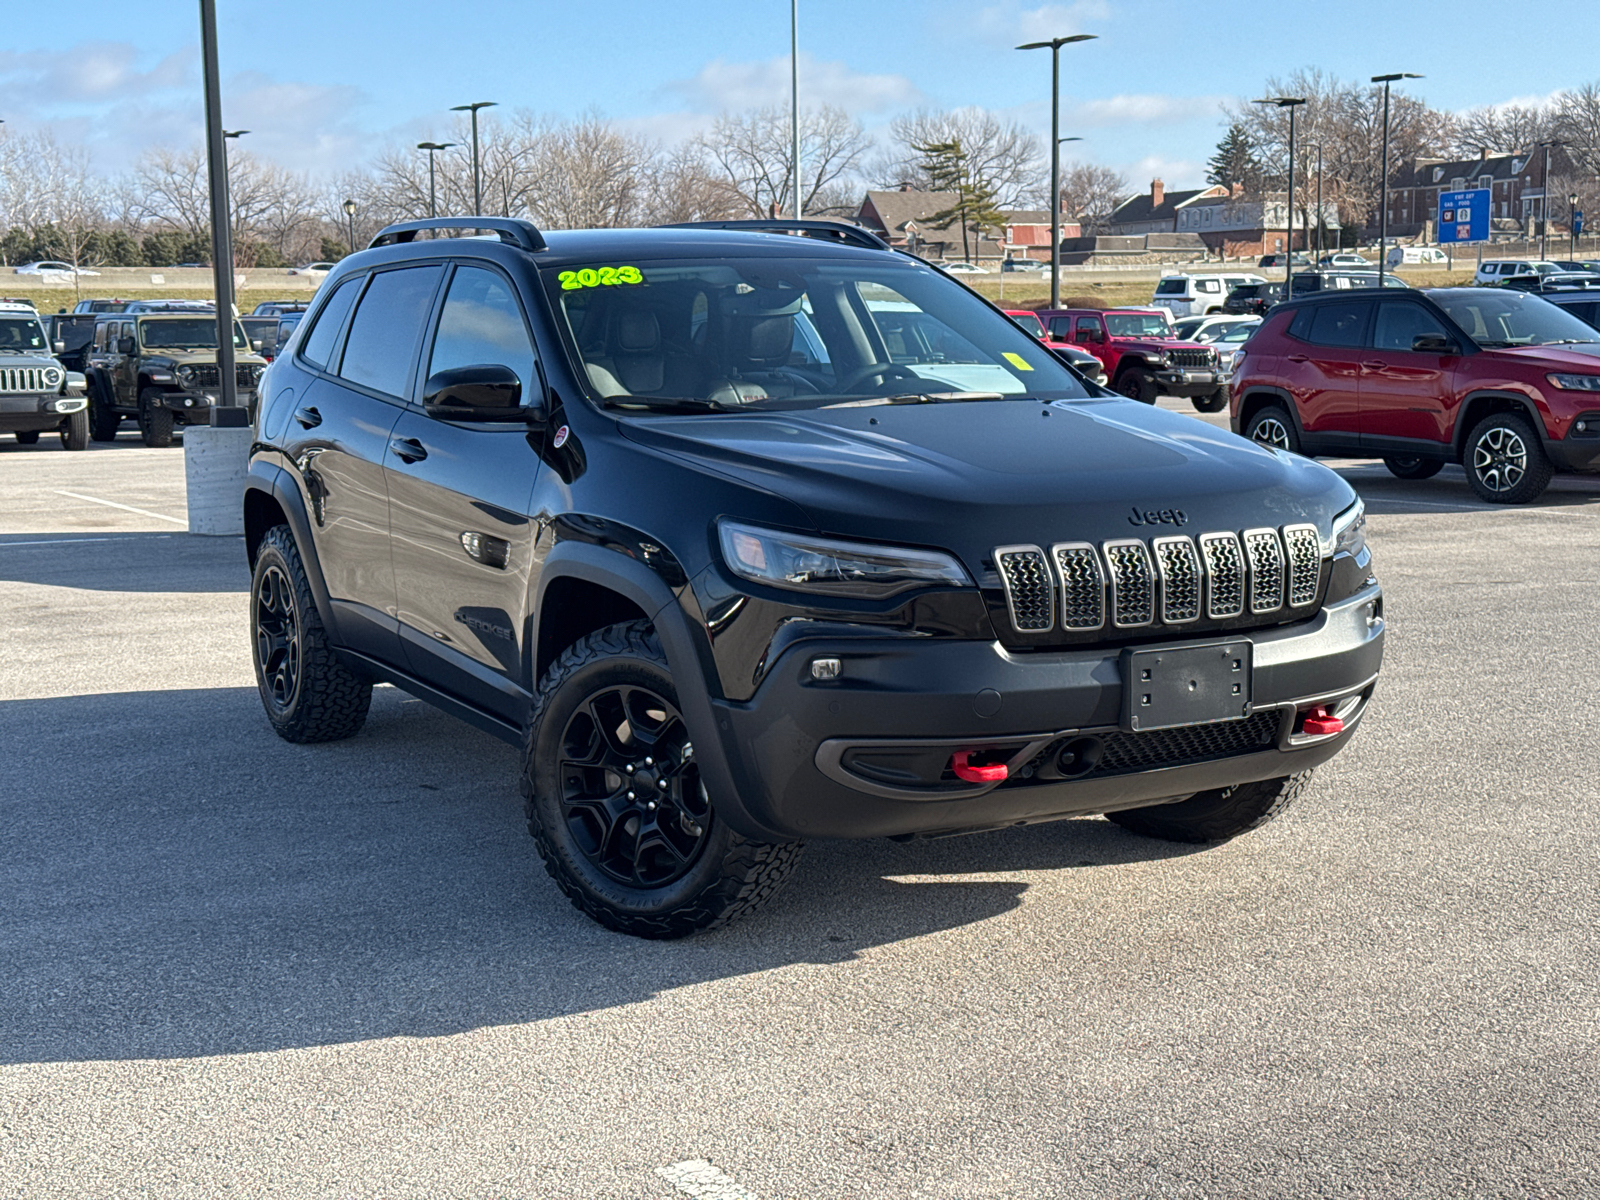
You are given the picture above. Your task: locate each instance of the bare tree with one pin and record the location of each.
(1001, 154)
(1090, 194)
(683, 185)
(1504, 128)
(752, 153)
(585, 175)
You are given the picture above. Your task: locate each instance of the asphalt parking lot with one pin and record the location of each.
(233, 966)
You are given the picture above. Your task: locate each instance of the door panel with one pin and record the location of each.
(1405, 393)
(1323, 372)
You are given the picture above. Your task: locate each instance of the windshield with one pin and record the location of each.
(1030, 322)
(800, 332)
(21, 335)
(1498, 318)
(1135, 325)
(196, 333)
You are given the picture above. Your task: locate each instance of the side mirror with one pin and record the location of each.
(125, 345)
(1428, 343)
(484, 393)
(256, 344)
(58, 347)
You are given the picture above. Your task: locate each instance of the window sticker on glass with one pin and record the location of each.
(590, 277)
(1017, 361)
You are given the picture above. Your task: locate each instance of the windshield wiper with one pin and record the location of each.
(920, 398)
(1569, 341)
(680, 404)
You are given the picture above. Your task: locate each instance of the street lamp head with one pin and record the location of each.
(434, 145)
(1057, 43)
(234, 133)
(349, 207)
(1395, 77)
(1071, 139)
(472, 108)
(1281, 101)
(1572, 198)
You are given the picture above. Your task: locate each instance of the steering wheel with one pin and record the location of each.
(871, 370)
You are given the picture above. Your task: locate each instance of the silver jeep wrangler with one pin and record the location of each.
(36, 392)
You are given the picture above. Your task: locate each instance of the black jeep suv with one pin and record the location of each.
(759, 532)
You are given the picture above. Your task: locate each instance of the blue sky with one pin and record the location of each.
(324, 84)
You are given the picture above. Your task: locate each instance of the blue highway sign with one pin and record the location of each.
(1464, 216)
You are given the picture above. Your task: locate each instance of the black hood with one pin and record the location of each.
(971, 476)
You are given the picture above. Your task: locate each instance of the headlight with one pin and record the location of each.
(52, 377)
(1576, 383)
(835, 568)
(1350, 531)
(185, 374)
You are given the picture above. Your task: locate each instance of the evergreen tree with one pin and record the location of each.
(1235, 161)
(976, 203)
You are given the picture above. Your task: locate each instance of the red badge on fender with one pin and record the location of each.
(560, 439)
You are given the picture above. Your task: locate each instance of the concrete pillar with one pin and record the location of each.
(214, 464)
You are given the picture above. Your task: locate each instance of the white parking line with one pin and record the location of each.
(81, 541)
(696, 1177)
(143, 512)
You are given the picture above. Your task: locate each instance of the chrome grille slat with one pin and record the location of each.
(1178, 565)
(1264, 552)
(1133, 583)
(1304, 549)
(1030, 589)
(1083, 585)
(1224, 566)
(1192, 358)
(19, 380)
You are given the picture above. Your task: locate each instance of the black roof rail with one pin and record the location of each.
(838, 231)
(523, 234)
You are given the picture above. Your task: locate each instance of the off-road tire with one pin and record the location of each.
(1262, 430)
(27, 437)
(328, 701)
(75, 431)
(1213, 402)
(1414, 468)
(1535, 473)
(1216, 815)
(1136, 384)
(103, 423)
(730, 875)
(155, 422)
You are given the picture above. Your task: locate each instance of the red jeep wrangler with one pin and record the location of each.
(1502, 382)
(1141, 357)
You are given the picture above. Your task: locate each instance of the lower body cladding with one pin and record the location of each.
(925, 737)
(25, 414)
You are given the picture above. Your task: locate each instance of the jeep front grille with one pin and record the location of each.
(1193, 359)
(1083, 585)
(1171, 581)
(1030, 588)
(17, 380)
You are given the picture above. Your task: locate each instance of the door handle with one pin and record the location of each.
(1297, 358)
(309, 418)
(407, 449)
(1369, 365)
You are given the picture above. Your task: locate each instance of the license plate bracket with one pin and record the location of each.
(1186, 685)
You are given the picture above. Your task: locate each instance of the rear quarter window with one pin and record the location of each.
(1172, 287)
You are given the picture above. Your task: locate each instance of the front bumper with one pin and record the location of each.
(195, 406)
(848, 757)
(1578, 451)
(1177, 382)
(40, 411)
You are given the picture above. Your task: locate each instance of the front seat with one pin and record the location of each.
(636, 365)
(757, 348)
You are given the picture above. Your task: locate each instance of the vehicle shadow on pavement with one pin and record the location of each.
(1448, 492)
(178, 882)
(175, 562)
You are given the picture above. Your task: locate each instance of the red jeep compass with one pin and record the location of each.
(1504, 383)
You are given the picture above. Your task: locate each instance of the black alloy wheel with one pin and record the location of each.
(277, 639)
(1414, 468)
(1136, 385)
(631, 794)
(1505, 461)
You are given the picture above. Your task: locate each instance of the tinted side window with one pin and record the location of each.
(1398, 324)
(387, 327)
(319, 344)
(481, 325)
(1338, 324)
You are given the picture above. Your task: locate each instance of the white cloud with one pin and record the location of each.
(1015, 23)
(1177, 173)
(89, 72)
(724, 85)
(1140, 109)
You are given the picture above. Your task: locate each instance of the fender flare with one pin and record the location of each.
(1283, 398)
(273, 481)
(688, 657)
(1458, 440)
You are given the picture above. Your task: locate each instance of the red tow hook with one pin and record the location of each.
(989, 774)
(1320, 722)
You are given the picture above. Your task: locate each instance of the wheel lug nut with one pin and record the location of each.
(630, 795)
(649, 762)
(629, 768)
(662, 784)
(651, 806)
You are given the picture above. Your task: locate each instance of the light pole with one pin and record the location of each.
(794, 98)
(1060, 141)
(227, 136)
(1319, 200)
(349, 207)
(1055, 45)
(1291, 103)
(1544, 200)
(221, 231)
(1572, 221)
(433, 148)
(477, 180)
(1383, 209)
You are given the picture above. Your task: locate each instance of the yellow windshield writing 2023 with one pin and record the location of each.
(589, 277)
